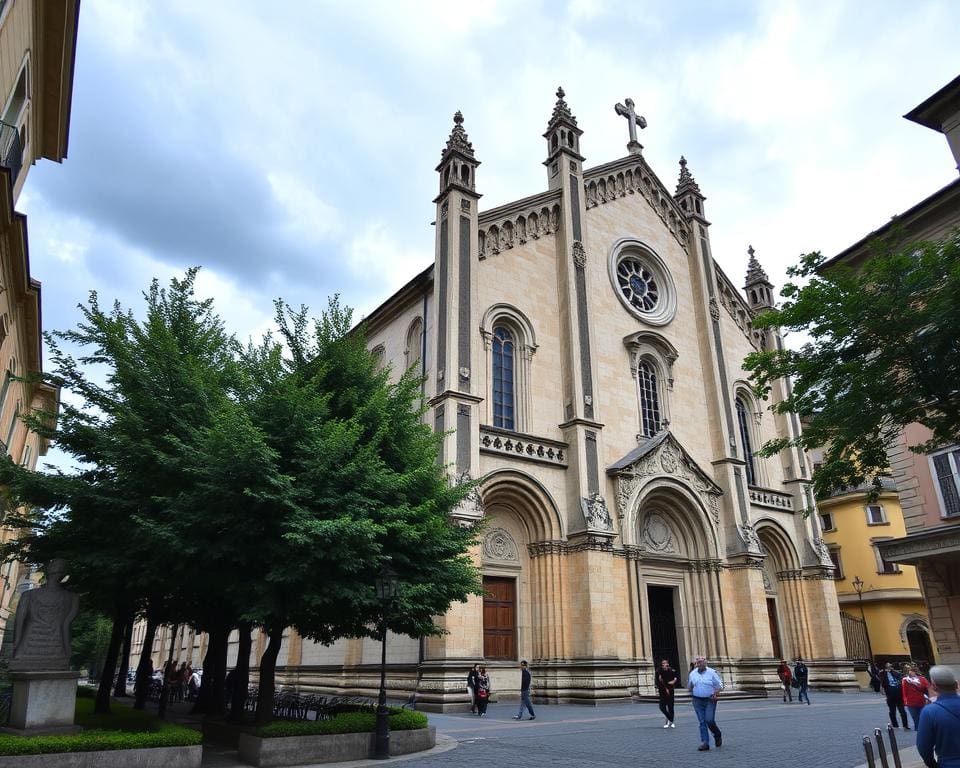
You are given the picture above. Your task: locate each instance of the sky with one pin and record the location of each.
(288, 148)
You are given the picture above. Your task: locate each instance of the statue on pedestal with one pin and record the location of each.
(41, 635)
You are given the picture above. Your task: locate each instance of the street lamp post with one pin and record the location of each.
(858, 587)
(386, 589)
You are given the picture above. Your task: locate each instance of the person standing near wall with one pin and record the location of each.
(525, 693)
(890, 682)
(915, 691)
(472, 687)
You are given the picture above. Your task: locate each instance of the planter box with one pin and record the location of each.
(155, 757)
(300, 750)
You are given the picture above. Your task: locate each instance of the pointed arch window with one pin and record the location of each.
(414, 352)
(504, 382)
(649, 399)
(745, 442)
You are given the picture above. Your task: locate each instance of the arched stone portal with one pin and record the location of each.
(783, 588)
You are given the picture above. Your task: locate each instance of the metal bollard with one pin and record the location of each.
(881, 750)
(868, 749)
(894, 747)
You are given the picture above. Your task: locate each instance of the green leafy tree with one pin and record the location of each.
(91, 637)
(364, 489)
(884, 353)
(164, 385)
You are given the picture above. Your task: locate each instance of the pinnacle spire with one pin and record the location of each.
(755, 273)
(686, 183)
(561, 111)
(459, 141)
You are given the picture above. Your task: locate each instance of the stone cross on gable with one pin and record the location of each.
(633, 120)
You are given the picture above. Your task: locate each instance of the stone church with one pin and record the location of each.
(582, 353)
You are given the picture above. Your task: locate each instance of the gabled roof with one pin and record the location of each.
(661, 442)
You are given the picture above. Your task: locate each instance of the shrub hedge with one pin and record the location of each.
(125, 728)
(346, 722)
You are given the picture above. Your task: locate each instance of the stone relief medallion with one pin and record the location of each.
(498, 544)
(657, 534)
(669, 460)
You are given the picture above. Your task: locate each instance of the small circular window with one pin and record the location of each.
(642, 282)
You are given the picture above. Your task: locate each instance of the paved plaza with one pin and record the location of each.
(764, 733)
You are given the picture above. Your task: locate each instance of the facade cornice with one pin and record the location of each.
(880, 595)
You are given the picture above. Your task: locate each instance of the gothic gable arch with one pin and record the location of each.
(527, 499)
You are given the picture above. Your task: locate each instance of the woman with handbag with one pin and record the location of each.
(483, 691)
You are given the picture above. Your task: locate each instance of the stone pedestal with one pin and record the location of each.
(43, 702)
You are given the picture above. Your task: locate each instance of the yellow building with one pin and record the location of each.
(886, 595)
(37, 49)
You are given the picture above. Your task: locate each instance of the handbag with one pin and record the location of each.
(794, 683)
(482, 693)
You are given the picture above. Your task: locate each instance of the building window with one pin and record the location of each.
(875, 515)
(379, 355)
(946, 471)
(649, 399)
(826, 521)
(744, 426)
(642, 282)
(503, 378)
(883, 566)
(837, 564)
(415, 346)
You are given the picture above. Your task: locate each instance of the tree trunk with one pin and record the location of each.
(145, 666)
(241, 677)
(211, 701)
(124, 666)
(165, 688)
(268, 668)
(102, 706)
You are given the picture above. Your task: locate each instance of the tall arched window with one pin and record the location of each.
(503, 378)
(649, 399)
(414, 350)
(744, 425)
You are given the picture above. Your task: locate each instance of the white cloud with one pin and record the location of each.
(376, 255)
(307, 216)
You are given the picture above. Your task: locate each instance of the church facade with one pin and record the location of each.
(581, 353)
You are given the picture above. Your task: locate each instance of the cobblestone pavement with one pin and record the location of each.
(755, 733)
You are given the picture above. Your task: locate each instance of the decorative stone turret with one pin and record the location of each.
(458, 164)
(688, 194)
(758, 287)
(563, 139)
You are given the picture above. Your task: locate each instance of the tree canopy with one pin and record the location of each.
(884, 352)
(220, 487)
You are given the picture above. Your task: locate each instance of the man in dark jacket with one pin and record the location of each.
(667, 680)
(525, 693)
(890, 683)
(802, 676)
(939, 729)
(472, 687)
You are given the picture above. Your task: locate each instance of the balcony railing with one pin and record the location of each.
(11, 149)
(517, 445)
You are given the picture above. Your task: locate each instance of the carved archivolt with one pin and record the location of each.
(499, 546)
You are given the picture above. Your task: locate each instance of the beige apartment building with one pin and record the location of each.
(37, 49)
(582, 354)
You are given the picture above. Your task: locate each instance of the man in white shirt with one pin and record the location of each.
(705, 685)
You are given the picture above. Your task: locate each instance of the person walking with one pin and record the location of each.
(483, 691)
(786, 678)
(472, 687)
(938, 736)
(802, 675)
(525, 693)
(667, 680)
(705, 685)
(874, 671)
(890, 682)
(915, 690)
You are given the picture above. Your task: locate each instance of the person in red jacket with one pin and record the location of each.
(916, 692)
(786, 677)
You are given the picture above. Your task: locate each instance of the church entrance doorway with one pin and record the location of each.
(774, 628)
(663, 625)
(499, 618)
(919, 642)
